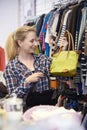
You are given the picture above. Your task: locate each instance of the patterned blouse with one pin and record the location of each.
(16, 72)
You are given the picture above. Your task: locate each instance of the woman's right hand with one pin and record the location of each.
(34, 77)
(64, 43)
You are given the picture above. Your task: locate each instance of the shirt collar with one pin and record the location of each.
(35, 56)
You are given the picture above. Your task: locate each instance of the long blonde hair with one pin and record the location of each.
(12, 41)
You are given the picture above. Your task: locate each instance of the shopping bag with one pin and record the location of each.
(64, 62)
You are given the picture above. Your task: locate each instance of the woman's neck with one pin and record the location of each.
(25, 57)
(28, 61)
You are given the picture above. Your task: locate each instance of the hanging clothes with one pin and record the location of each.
(39, 23)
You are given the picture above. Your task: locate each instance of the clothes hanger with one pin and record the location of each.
(79, 1)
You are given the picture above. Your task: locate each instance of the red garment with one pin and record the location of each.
(2, 59)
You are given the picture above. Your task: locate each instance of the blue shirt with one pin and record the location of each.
(16, 72)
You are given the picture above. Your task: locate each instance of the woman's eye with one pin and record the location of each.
(32, 41)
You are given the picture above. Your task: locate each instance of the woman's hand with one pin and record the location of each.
(64, 43)
(34, 77)
(60, 100)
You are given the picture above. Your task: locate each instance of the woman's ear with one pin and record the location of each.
(19, 42)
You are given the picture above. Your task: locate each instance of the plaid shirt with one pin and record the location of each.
(16, 72)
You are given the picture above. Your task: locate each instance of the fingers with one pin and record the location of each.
(64, 38)
(39, 74)
(60, 100)
(34, 77)
(64, 42)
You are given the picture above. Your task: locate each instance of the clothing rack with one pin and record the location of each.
(60, 2)
(31, 20)
(64, 2)
(55, 4)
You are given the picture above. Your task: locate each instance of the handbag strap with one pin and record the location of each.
(67, 35)
(70, 40)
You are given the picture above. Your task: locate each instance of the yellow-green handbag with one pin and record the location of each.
(64, 63)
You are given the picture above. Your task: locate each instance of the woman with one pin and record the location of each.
(27, 74)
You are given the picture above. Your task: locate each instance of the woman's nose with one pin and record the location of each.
(36, 43)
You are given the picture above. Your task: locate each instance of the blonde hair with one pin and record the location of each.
(12, 40)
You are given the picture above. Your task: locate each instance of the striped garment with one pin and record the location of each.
(83, 58)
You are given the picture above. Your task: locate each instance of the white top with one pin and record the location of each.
(2, 78)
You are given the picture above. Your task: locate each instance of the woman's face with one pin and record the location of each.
(29, 44)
